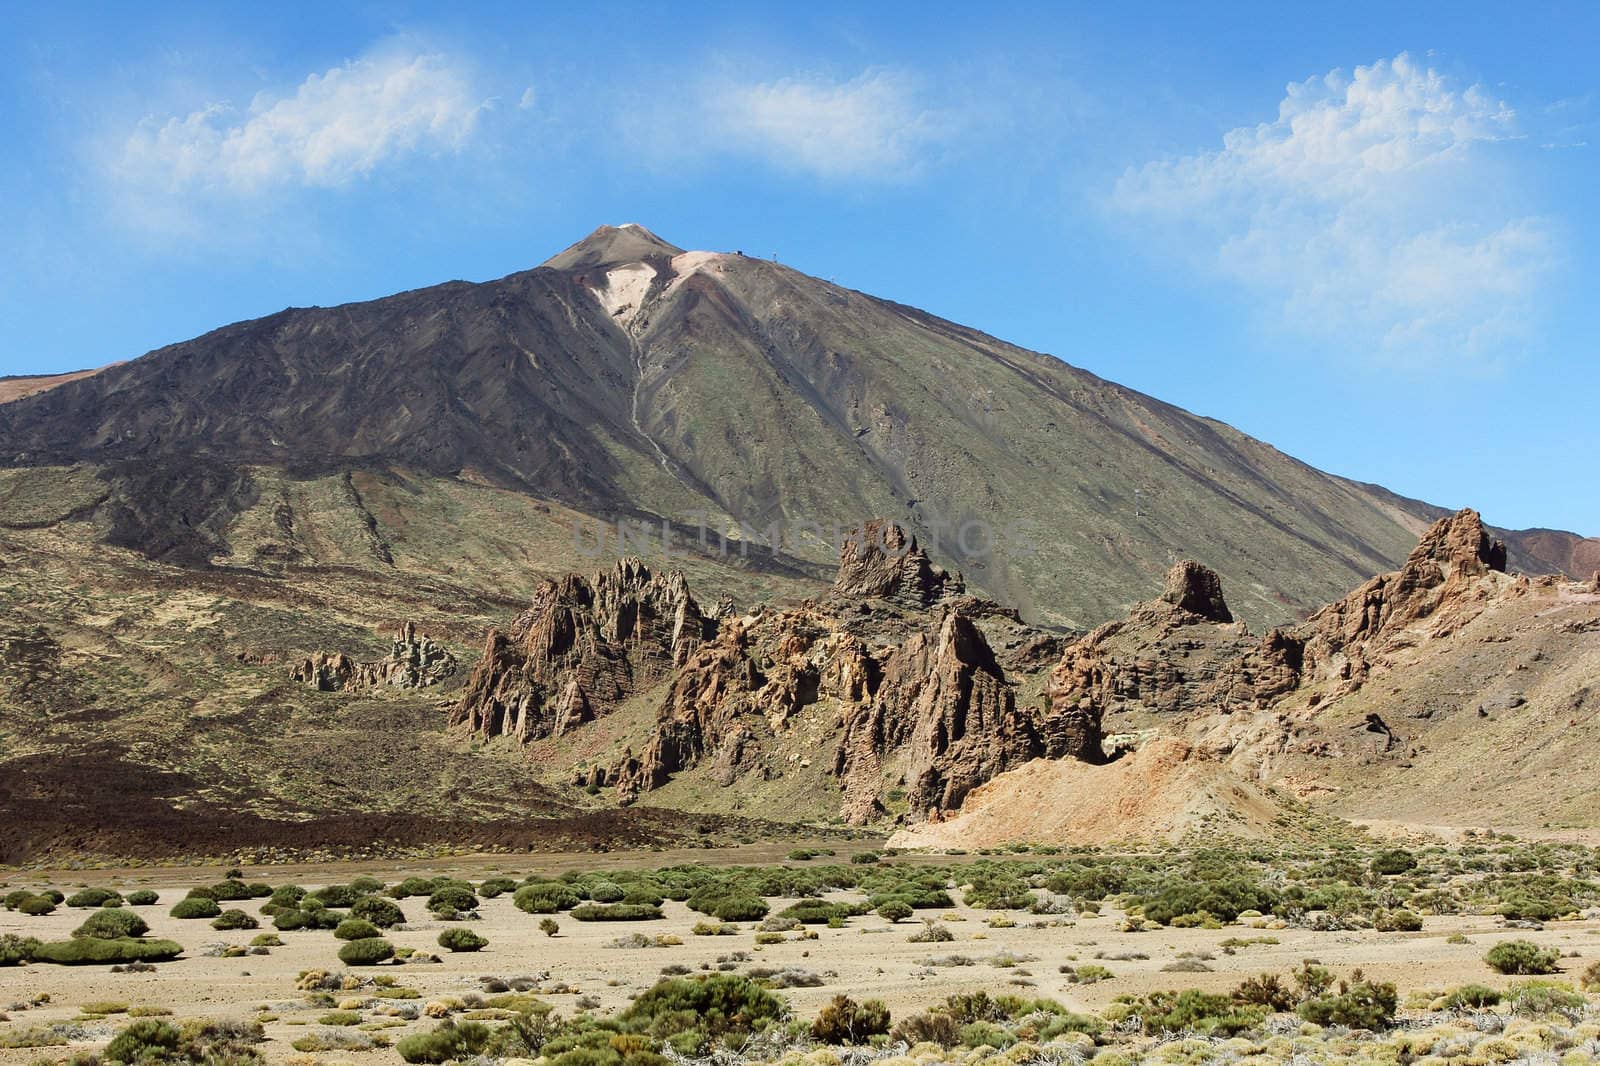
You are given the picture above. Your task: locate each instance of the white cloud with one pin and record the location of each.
(875, 126)
(1369, 212)
(333, 128)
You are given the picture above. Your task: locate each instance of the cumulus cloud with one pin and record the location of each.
(1370, 210)
(333, 128)
(878, 126)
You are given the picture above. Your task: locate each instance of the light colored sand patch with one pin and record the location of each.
(1164, 791)
(690, 263)
(625, 290)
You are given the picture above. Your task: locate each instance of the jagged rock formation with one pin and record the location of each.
(415, 661)
(880, 559)
(581, 648)
(1440, 578)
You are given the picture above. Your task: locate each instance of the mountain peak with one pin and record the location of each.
(613, 246)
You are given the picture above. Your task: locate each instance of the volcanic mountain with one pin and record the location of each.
(461, 430)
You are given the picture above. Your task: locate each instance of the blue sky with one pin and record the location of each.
(1367, 236)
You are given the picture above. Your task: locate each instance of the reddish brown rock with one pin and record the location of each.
(1198, 590)
(414, 661)
(880, 560)
(1441, 583)
(581, 647)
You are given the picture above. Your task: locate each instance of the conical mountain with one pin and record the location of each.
(626, 377)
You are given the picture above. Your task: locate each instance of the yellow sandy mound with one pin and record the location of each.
(1164, 791)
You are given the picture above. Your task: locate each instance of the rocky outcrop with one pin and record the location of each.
(1442, 585)
(414, 661)
(881, 560)
(581, 647)
(1196, 589)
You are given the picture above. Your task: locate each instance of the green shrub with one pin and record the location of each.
(92, 951)
(356, 929)
(452, 898)
(230, 891)
(366, 885)
(815, 911)
(1470, 997)
(112, 924)
(1223, 898)
(616, 912)
(545, 898)
(287, 921)
(462, 939)
(1194, 1011)
(148, 1039)
(286, 896)
(496, 886)
(1394, 861)
(143, 898)
(1359, 1005)
(413, 886)
(196, 907)
(1522, 957)
(16, 950)
(368, 952)
(702, 1009)
(934, 1027)
(336, 895)
(450, 1042)
(735, 907)
(1398, 921)
(606, 892)
(844, 1021)
(234, 919)
(383, 913)
(549, 926)
(895, 911)
(36, 906)
(95, 897)
(1544, 997)
(864, 858)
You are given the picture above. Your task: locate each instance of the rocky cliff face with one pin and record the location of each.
(581, 648)
(1441, 580)
(894, 662)
(414, 661)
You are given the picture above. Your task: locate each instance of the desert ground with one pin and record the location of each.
(598, 967)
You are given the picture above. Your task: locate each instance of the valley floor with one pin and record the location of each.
(597, 968)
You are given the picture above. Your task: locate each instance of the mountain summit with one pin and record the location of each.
(627, 378)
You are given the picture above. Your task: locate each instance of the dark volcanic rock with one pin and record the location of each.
(1198, 590)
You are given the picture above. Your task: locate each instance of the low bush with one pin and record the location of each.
(462, 939)
(545, 898)
(356, 929)
(895, 911)
(95, 897)
(234, 919)
(844, 1021)
(549, 926)
(1359, 1004)
(94, 951)
(197, 1043)
(616, 912)
(112, 924)
(452, 897)
(383, 913)
(196, 907)
(1194, 1011)
(450, 1042)
(1470, 997)
(1394, 861)
(368, 952)
(1545, 997)
(1522, 958)
(143, 898)
(16, 950)
(36, 906)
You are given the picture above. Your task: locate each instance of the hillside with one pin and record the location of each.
(626, 378)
